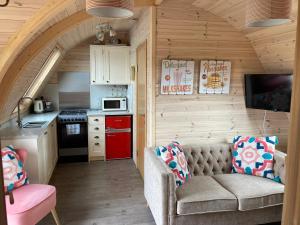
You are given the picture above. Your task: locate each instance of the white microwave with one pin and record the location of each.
(114, 104)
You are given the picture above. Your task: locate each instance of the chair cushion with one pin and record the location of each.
(203, 194)
(28, 197)
(252, 192)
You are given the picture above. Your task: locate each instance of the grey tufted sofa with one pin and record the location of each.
(213, 196)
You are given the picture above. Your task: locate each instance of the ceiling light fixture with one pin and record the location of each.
(110, 8)
(268, 13)
(4, 4)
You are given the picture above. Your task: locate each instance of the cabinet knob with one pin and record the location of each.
(46, 133)
(96, 128)
(107, 81)
(96, 120)
(97, 144)
(94, 81)
(96, 137)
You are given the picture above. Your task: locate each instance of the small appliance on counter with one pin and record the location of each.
(39, 105)
(49, 106)
(114, 104)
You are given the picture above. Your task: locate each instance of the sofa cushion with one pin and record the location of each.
(254, 155)
(174, 157)
(252, 192)
(203, 194)
(208, 160)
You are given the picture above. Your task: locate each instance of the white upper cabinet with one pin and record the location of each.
(110, 65)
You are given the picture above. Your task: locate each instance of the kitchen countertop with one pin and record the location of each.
(15, 132)
(92, 112)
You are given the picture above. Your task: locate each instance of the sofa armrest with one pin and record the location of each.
(279, 165)
(159, 188)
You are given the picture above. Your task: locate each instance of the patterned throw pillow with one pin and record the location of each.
(174, 157)
(254, 156)
(14, 174)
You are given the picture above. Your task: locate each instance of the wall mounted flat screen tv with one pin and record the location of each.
(268, 91)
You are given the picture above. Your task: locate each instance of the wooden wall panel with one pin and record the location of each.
(185, 32)
(274, 46)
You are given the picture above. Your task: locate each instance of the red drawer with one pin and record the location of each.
(118, 122)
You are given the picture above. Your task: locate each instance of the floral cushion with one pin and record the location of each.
(13, 171)
(254, 155)
(174, 157)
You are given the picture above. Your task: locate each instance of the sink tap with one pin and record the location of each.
(19, 121)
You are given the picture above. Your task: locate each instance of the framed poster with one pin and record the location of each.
(214, 77)
(177, 77)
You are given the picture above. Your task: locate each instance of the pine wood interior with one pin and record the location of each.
(141, 104)
(190, 29)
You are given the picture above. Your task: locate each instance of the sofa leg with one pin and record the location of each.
(55, 217)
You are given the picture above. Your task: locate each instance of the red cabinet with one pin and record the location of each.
(118, 137)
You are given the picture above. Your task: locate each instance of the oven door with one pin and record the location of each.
(73, 138)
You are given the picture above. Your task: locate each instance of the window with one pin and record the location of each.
(42, 75)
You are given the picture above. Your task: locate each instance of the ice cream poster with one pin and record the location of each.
(177, 77)
(214, 77)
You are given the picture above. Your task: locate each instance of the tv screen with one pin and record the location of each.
(268, 91)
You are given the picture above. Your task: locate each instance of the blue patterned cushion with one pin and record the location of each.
(254, 156)
(174, 157)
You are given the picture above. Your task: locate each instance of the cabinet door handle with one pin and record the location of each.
(96, 137)
(96, 120)
(96, 128)
(97, 144)
(46, 133)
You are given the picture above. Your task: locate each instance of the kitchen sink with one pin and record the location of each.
(36, 124)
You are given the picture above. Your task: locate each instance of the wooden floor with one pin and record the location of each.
(100, 193)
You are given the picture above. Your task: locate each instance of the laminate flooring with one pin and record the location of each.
(100, 193)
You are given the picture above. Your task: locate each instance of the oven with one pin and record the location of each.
(72, 136)
(114, 104)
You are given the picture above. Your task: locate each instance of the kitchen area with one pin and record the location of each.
(83, 116)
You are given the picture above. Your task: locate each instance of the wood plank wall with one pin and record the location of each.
(78, 58)
(185, 32)
(275, 46)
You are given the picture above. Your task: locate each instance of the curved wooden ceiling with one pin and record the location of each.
(24, 22)
(274, 46)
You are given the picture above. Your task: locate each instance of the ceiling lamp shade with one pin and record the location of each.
(109, 8)
(267, 13)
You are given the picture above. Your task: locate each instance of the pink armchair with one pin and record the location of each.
(32, 202)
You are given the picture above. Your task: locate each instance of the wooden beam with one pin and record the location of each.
(34, 48)
(291, 209)
(158, 2)
(2, 198)
(145, 3)
(27, 32)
